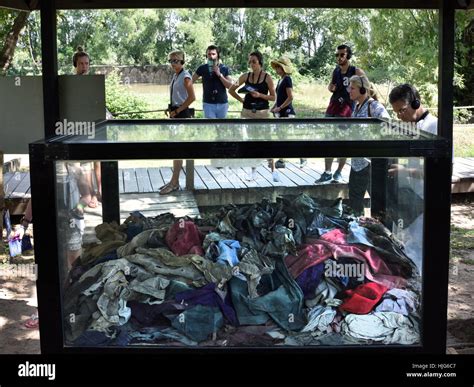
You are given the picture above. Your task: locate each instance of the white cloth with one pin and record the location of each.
(319, 319)
(385, 327)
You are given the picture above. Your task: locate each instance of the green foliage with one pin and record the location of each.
(392, 46)
(120, 100)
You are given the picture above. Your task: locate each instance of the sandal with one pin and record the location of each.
(168, 188)
(32, 322)
(93, 203)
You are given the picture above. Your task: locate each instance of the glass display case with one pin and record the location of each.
(242, 255)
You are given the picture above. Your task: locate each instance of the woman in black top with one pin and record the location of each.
(284, 90)
(259, 89)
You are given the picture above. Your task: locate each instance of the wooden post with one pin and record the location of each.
(189, 175)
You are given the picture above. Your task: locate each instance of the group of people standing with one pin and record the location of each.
(258, 91)
(353, 95)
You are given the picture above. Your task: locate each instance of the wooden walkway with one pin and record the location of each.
(217, 186)
(463, 175)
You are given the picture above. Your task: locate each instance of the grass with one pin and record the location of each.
(461, 240)
(463, 140)
(312, 100)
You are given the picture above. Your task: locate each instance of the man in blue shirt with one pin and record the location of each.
(215, 82)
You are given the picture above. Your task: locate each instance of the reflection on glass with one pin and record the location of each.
(271, 130)
(243, 260)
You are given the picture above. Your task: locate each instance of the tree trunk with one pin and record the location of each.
(6, 54)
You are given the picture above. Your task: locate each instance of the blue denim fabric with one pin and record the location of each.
(215, 110)
(283, 302)
(199, 322)
(228, 252)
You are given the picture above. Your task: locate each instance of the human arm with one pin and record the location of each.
(196, 76)
(233, 89)
(225, 79)
(332, 84)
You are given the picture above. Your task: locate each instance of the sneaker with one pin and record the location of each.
(324, 177)
(279, 164)
(337, 177)
(276, 176)
(303, 162)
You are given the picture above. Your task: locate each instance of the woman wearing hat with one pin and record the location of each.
(283, 107)
(284, 90)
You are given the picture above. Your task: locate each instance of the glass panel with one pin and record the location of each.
(233, 254)
(264, 130)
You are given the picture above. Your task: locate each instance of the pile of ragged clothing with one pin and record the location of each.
(294, 273)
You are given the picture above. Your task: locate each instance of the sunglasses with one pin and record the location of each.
(341, 55)
(253, 61)
(174, 61)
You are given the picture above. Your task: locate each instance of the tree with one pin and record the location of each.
(11, 39)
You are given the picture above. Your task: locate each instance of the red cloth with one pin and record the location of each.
(337, 109)
(363, 298)
(185, 238)
(333, 244)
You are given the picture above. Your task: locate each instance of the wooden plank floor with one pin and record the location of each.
(231, 184)
(463, 175)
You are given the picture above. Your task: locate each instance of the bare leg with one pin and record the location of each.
(173, 184)
(177, 165)
(98, 175)
(328, 165)
(342, 162)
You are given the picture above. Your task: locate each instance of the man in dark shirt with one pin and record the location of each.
(215, 82)
(340, 104)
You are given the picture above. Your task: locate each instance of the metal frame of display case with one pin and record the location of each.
(437, 166)
(437, 161)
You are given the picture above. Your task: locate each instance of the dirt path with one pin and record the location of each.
(461, 278)
(17, 304)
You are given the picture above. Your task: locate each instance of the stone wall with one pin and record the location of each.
(160, 75)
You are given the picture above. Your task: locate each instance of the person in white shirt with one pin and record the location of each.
(406, 104)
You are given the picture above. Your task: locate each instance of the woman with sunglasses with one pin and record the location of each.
(181, 96)
(259, 90)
